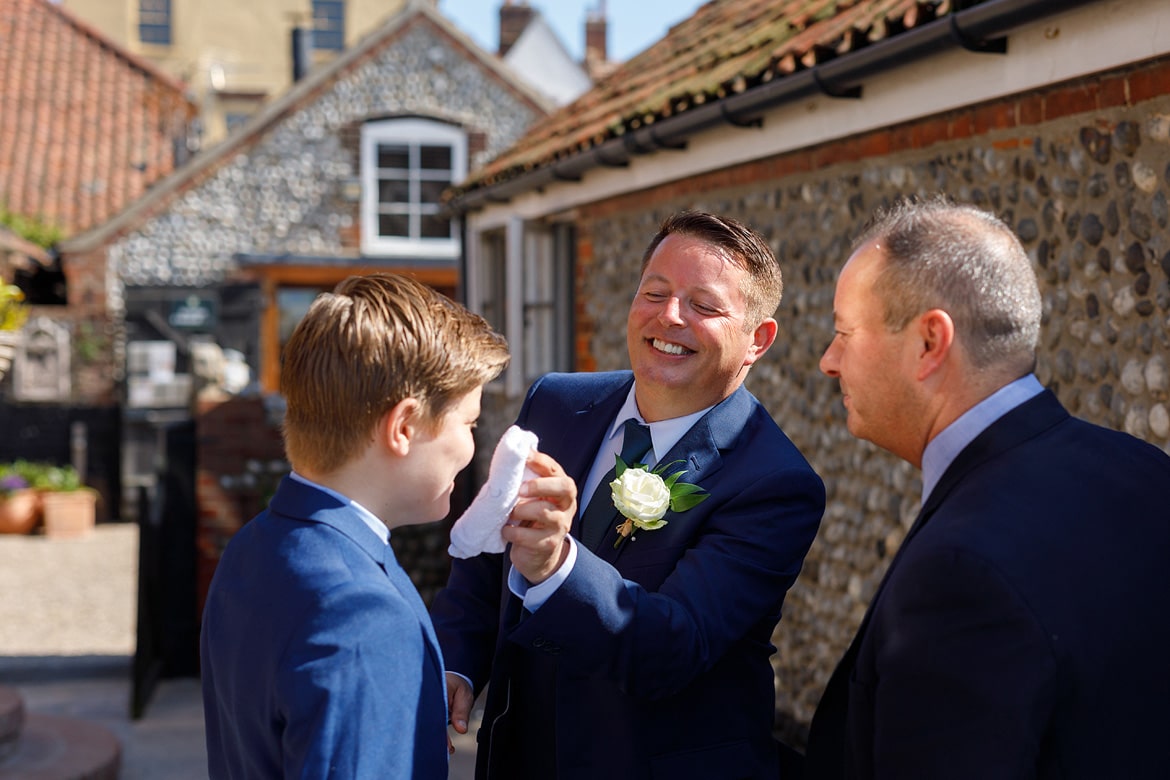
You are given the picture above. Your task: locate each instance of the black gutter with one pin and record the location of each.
(973, 29)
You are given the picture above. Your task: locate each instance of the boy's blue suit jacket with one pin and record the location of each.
(318, 656)
(652, 660)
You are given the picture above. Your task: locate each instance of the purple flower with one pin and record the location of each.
(12, 482)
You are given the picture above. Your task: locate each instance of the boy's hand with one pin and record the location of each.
(541, 520)
(459, 700)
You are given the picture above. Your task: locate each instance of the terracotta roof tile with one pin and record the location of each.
(85, 127)
(726, 47)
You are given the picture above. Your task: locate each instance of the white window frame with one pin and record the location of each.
(413, 132)
(536, 265)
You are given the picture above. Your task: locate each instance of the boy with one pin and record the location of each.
(318, 657)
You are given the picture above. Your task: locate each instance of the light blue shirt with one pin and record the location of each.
(368, 517)
(944, 448)
(664, 434)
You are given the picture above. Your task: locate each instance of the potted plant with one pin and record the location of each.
(68, 507)
(13, 314)
(20, 503)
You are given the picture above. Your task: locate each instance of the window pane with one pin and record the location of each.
(435, 158)
(154, 21)
(235, 121)
(329, 25)
(394, 225)
(429, 191)
(539, 340)
(491, 300)
(293, 303)
(393, 156)
(435, 226)
(407, 165)
(393, 191)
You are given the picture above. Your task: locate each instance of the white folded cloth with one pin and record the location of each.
(478, 529)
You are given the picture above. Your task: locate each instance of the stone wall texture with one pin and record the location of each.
(283, 190)
(1081, 171)
(284, 193)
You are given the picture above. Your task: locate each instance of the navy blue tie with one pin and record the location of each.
(600, 512)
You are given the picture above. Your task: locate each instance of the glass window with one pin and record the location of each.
(406, 166)
(235, 120)
(491, 280)
(548, 264)
(154, 22)
(293, 304)
(329, 25)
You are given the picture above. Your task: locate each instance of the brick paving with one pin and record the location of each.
(69, 597)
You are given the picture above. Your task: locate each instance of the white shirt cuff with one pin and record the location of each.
(463, 677)
(534, 596)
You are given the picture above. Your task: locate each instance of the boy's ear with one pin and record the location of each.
(400, 425)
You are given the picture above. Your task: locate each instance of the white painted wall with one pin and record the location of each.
(542, 60)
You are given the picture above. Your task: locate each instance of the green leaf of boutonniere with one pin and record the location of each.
(644, 496)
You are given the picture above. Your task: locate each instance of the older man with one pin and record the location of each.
(639, 656)
(1021, 629)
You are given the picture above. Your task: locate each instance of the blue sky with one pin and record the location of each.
(633, 24)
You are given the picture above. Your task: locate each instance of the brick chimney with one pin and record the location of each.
(514, 17)
(596, 35)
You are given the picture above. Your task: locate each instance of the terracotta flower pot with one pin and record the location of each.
(69, 514)
(19, 511)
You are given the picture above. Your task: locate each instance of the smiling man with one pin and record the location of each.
(650, 657)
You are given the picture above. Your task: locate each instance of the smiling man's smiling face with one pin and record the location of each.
(689, 342)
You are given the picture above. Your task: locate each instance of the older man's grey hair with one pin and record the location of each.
(967, 262)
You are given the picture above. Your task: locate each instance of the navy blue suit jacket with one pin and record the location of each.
(651, 660)
(319, 659)
(1021, 630)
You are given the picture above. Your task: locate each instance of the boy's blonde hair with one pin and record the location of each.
(371, 343)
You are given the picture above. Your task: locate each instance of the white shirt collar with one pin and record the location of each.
(664, 434)
(368, 517)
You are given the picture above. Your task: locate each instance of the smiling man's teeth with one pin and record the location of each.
(670, 349)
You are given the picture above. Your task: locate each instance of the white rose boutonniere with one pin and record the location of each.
(643, 496)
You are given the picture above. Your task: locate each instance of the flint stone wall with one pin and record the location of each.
(1088, 196)
(285, 193)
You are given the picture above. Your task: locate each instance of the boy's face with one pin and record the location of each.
(438, 456)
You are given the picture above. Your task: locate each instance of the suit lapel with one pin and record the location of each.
(697, 453)
(582, 437)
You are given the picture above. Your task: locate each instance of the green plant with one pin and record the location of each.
(43, 476)
(13, 309)
(61, 479)
(34, 229)
(90, 343)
